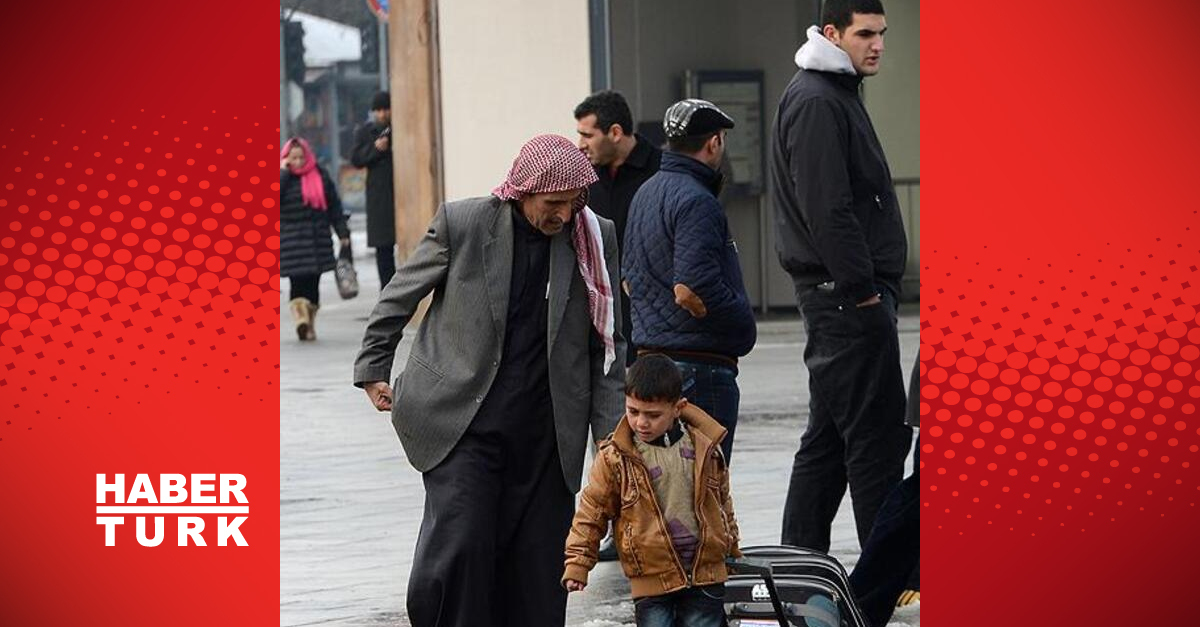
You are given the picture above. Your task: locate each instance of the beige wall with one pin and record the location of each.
(510, 69)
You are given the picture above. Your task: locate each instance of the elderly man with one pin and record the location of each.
(520, 352)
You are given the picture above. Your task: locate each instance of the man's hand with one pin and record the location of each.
(380, 394)
(686, 298)
(345, 241)
(382, 144)
(873, 300)
(574, 586)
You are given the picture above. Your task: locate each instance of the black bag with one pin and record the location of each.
(784, 585)
(347, 276)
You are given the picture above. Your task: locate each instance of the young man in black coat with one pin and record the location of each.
(841, 239)
(373, 151)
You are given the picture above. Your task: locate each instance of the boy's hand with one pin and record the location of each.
(574, 586)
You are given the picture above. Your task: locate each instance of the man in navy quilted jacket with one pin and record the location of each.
(681, 267)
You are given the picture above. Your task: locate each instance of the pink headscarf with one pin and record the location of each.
(552, 163)
(312, 189)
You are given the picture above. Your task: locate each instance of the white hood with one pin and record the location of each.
(823, 55)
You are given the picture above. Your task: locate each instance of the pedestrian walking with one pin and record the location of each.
(519, 355)
(309, 208)
(373, 151)
(673, 540)
(682, 269)
(841, 239)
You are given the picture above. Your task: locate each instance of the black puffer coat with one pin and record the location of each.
(305, 246)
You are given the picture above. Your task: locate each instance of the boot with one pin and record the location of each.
(312, 320)
(302, 314)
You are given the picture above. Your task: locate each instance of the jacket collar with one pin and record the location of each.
(639, 157)
(706, 432)
(708, 177)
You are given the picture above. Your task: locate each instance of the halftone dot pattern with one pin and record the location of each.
(1038, 414)
(126, 274)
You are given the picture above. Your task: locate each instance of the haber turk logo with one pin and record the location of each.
(191, 500)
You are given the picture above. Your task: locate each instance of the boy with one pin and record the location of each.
(662, 480)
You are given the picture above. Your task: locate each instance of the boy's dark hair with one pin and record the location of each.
(688, 144)
(610, 108)
(654, 378)
(840, 13)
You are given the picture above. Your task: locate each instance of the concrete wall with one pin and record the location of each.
(893, 99)
(655, 41)
(510, 69)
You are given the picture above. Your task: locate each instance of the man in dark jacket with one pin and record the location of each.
(841, 239)
(373, 151)
(681, 265)
(623, 162)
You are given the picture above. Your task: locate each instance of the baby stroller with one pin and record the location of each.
(786, 586)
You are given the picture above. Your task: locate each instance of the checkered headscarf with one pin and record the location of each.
(552, 163)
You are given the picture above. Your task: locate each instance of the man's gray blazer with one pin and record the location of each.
(465, 259)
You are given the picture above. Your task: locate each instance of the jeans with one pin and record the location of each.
(690, 607)
(713, 389)
(856, 433)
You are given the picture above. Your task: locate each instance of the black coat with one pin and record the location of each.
(305, 247)
(381, 199)
(836, 211)
(610, 196)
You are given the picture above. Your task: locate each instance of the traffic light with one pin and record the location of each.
(369, 35)
(293, 51)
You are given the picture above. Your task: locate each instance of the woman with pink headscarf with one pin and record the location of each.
(308, 208)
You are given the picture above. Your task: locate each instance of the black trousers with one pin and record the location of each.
(856, 433)
(385, 262)
(892, 555)
(490, 550)
(307, 286)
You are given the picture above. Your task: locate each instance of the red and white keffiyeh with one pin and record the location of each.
(552, 163)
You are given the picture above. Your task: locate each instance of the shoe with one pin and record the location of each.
(608, 548)
(302, 314)
(908, 597)
(312, 321)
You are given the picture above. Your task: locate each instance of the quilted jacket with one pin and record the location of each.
(678, 234)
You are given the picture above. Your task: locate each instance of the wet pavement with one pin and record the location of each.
(350, 505)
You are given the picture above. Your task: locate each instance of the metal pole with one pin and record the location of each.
(383, 56)
(335, 121)
(284, 105)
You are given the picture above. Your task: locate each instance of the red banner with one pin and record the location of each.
(139, 313)
(1059, 331)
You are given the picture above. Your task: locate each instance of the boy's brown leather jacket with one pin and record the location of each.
(619, 489)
